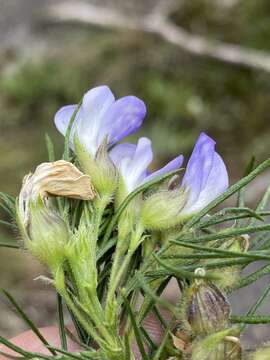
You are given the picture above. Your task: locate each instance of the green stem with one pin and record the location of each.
(97, 318)
(90, 304)
(107, 345)
(100, 205)
(88, 327)
(117, 269)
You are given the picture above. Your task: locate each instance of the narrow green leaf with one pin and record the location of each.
(26, 319)
(67, 137)
(50, 147)
(61, 322)
(64, 352)
(250, 319)
(182, 273)
(252, 311)
(7, 204)
(199, 256)
(79, 329)
(251, 255)
(160, 318)
(262, 203)
(8, 356)
(6, 209)
(148, 303)
(9, 245)
(102, 251)
(241, 194)
(220, 218)
(6, 223)
(228, 233)
(162, 345)
(265, 270)
(222, 263)
(265, 245)
(127, 347)
(148, 339)
(142, 282)
(77, 341)
(136, 329)
(17, 349)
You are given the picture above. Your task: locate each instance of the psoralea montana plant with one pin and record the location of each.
(113, 234)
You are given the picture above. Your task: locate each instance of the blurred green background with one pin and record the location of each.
(45, 64)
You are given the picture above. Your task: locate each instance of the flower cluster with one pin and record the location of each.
(102, 119)
(112, 212)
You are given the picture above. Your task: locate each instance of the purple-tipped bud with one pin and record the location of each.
(207, 308)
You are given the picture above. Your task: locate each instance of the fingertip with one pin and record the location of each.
(30, 342)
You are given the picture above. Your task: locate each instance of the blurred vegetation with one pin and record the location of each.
(244, 22)
(184, 94)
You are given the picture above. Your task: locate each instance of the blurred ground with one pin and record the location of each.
(44, 65)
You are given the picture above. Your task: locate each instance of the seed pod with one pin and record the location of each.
(207, 309)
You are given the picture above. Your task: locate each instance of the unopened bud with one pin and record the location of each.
(47, 235)
(101, 170)
(238, 243)
(43, 230)
(231, 274)
(222, 345)
(161, 210)
(207, 309)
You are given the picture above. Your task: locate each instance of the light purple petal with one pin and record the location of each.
(143, 155)
(121, 151)
(172, 165)
(137, 169)
(132, 162)
(100, 116)
(198, 167)
(96, 102)
(217, 182)
(123, 118)
(62, 118)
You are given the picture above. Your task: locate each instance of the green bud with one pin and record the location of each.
(161, 210)
(207, 309)
(222, 345)
(101, 170)
(231, 274)
(238, 243)
(47, 235)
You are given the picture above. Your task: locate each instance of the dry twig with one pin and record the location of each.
(158, 23)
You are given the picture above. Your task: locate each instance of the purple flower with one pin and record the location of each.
(205, 177)
(101, 117)
(133, 161)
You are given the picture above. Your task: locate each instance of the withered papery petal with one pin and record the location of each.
(61, 178)
(24, 197)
